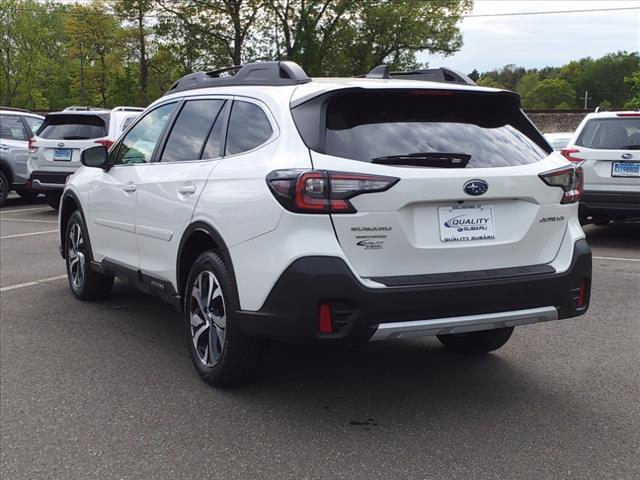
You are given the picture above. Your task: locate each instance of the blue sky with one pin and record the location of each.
(541, 40)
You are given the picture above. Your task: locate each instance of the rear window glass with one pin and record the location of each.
(611, 133)
(73, 127)
(248, 128)
(476, 131)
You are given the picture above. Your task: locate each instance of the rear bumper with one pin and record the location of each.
(610, 204)
(291, 310)
(41, 181)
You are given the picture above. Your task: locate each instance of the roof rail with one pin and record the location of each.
(257, 73)
(13, 109)
(442, 74)
(127, 109)
(77, 108)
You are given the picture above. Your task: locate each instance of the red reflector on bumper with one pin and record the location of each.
(325, 320)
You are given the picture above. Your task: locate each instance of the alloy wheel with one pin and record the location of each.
(75, 255)
(208, 319)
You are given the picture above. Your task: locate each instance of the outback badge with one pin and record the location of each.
(475, 187)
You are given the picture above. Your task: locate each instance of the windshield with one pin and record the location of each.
(369, 126)
(610, 133)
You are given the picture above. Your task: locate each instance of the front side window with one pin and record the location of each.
(139, 143)
(611, 134)
(11, 128)
(191, 130)
(249, 128)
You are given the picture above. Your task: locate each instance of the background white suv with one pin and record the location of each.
(55, 151)
(607, 146)
(268, 205)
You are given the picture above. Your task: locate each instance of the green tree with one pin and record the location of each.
(527, 83)
(551, 93)
(633, 82)
(489, 81)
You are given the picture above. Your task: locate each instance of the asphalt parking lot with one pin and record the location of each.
(106, 390)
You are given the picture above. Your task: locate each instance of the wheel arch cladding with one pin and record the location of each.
(197, 238)
(5, 167)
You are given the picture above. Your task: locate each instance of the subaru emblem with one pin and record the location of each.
(475, 187)
(61, 144)
(627, 156)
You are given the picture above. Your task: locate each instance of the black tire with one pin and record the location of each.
(85, 284)
(221, 354)
(28, 194)
(476, 342)
(53, 199)
(5, 187)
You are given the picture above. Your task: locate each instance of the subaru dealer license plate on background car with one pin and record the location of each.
(62, 154)
(625, 169)
(466, 222)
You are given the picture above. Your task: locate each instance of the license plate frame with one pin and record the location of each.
(621, 173)
(464, 223)
(58, 156)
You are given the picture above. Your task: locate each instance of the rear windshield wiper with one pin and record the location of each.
(426, 159)
(631, 147)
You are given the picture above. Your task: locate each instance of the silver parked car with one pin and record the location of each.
(16, 128)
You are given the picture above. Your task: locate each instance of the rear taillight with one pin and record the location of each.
(321, 191)
(570, 179)
(107, 142)
(33, 147)
(568, 153)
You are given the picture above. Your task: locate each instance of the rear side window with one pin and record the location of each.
(191, 130)
(11, 128)
(611, 133)
(428, 128)
(73, 127)
(34, 123)
(249, 128)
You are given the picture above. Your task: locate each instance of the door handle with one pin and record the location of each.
(129, 188)
(188, 189)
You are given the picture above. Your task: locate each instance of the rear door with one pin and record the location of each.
(468, 196)
(610, 148)
(64, 136)
(168, 193)
(13, 146)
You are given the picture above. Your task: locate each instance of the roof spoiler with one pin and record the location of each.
(442, 74)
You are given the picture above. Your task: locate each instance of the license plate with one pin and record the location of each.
(625, 169)
(466, 222)
(62, 154)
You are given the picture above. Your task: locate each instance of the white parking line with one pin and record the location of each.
(30, 284)
(27, 220)
(28, 234)
(618, 259)
(25, 209)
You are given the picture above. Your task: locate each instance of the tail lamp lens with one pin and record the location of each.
(320, 191)
(106, 142)
(569, 153)
(33, 148)
(570, 179)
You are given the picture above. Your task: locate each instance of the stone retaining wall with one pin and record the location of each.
(549, 121)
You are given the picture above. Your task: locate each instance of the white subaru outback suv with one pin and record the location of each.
(607, 146)
(268, 205)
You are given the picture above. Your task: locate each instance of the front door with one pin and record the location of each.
(113, 194)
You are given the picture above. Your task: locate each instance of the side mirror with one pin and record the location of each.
(95, 157)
